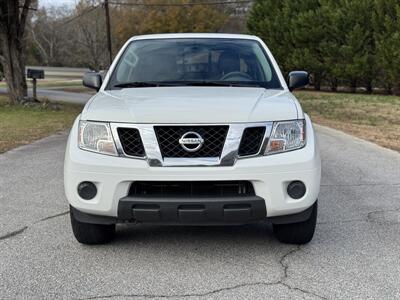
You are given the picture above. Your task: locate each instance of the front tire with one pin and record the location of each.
(297, 233)
(91, 234)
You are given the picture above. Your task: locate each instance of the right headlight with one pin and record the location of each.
(96, 137)
(286, 136)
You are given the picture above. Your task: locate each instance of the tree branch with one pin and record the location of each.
(42, 51)
(23, 18)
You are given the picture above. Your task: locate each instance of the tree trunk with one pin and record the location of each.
(14, 68)
(333, 84)
(317, 82)
(12, 32)
(353, 86)
(369, 86)
(388, 89)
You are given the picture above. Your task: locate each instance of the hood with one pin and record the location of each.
(191, 105)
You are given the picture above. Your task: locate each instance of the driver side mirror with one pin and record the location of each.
(298, 79)
(92, 80)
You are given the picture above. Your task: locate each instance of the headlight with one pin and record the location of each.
(96, 137)
(286, 136)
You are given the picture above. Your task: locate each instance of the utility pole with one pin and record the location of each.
(108, 31)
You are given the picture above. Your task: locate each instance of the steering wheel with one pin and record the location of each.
(236, 76)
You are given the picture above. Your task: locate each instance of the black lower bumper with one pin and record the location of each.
(198, 211)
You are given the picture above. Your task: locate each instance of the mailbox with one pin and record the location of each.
(35, 74)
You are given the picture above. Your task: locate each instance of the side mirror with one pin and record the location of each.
(298, 79)
(103, 73)
(92, 80)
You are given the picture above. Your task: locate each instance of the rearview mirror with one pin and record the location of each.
(298, 79)
(92, 80)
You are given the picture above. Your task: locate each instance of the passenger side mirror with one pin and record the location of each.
(92, 80)
(298, 79)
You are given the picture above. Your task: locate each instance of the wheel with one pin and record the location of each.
(91, 234)
(297, 233)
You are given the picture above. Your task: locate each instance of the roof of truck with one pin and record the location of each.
(195, 35)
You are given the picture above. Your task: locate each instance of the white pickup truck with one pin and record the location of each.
(193, 129)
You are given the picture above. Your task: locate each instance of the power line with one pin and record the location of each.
(90, 9)
(182, 4)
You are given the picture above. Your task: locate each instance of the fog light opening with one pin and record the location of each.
(296, 189)
(87, 190)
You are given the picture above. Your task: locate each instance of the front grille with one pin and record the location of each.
(251, 141)
(168, 140)
(131, 142)
(189, 189)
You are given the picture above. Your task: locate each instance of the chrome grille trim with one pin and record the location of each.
(154, 158)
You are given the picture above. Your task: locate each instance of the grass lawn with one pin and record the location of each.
(21, 125)
(371, 117)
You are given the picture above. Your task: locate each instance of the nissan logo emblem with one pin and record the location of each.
(191, 141)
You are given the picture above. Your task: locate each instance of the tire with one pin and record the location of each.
(91, 234)
(297, 233)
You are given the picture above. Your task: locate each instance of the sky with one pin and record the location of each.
(48, 3)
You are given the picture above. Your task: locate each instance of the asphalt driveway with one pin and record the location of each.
(355, 252)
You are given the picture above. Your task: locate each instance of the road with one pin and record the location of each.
(354, 254)
(71, 97)
(61, 72)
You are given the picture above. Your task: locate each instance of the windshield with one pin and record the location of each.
(196, 61)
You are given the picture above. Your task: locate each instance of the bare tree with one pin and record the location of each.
(63, 37)
(13, 18)
(50, 35)
(90, 35)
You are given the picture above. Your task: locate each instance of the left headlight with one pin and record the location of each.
(96, 137)
(286, 136)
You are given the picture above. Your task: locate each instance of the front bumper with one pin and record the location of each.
(269, 175)
(175, 210)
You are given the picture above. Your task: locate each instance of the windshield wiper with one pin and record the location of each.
(188, 83)
(221, 83)
(142, 84)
